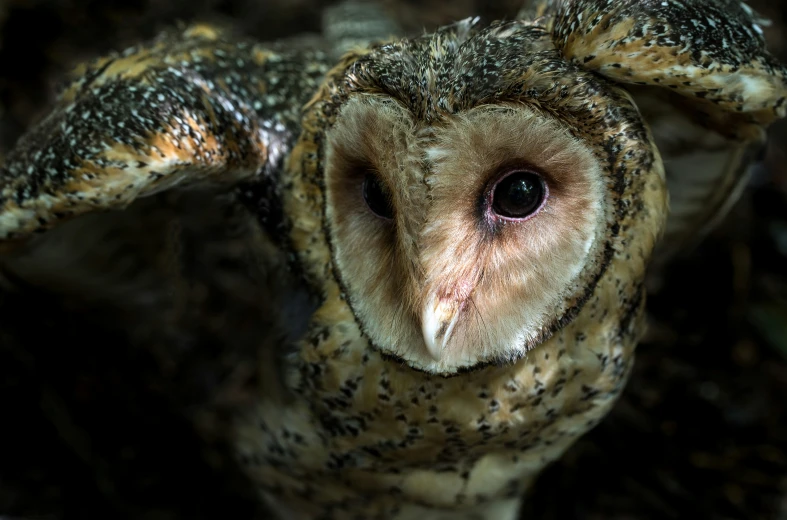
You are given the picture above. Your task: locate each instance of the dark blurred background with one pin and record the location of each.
(701, 431)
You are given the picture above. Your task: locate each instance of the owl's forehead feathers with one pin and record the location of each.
(457, 67)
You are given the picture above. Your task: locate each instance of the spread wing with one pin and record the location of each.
(703, 79)
(190, 109)
(168, 132)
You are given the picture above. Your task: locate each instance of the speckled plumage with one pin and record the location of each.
(348, 422)
(133, 124)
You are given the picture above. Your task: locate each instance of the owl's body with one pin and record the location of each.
(460, 222)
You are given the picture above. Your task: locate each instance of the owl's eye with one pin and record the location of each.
(518, 195)
(377, 196)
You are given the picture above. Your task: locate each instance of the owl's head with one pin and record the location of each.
(474, 184)
(477, 183)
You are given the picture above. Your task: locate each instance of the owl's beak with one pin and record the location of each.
(438, 320)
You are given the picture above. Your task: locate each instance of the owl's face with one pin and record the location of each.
(465, 227)
(464, 236)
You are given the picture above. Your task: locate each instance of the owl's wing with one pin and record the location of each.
(193, 297)
(176, 133)
(702, 78)
(190, 109)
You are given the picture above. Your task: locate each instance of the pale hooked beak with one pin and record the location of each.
(438, 320)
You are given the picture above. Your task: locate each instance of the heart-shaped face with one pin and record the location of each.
(461, 240)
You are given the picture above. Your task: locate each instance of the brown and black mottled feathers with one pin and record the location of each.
(703, 79)
(711, 51)
(189, 109)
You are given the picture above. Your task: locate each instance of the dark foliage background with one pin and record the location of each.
(701, 431)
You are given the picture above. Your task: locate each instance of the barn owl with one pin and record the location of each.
(449, 232)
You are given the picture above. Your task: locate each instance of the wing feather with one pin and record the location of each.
(191, 108)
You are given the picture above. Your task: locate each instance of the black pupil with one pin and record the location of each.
(376, 196)
(518, 195)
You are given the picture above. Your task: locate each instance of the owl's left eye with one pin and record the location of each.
(377, 196)
(518, 195)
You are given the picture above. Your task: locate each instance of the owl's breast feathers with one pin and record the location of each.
(368, 435)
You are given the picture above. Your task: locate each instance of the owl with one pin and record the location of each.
(424, 256)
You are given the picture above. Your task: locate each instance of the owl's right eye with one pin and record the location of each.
(377, 196)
